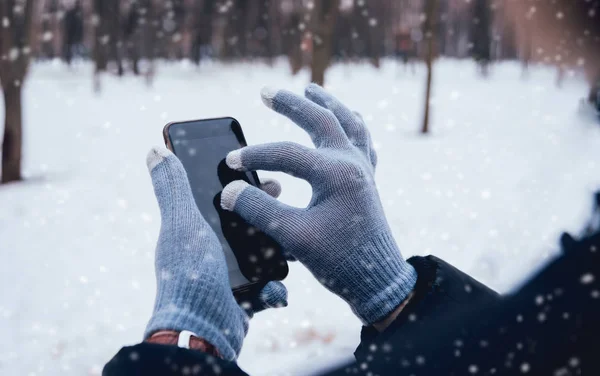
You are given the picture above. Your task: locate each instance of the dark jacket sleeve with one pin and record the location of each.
(149, 359)
(441, 290)
(549, 326)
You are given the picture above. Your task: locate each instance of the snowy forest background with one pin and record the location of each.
(487, 148)
(130, 36)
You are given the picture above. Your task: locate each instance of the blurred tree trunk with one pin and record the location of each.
(367, 19)
(262, 29)
(429, 28)
(131, 35)
(13, 133)
(293, 42)
(203, 30)
(101, 39)
(72, 25)
(254, 33)
(526, 50)
(481, 36)
(235, 30)
(324, 16)
(15, 48)
(375, 24)
(343, 41)
(51, 32)
(107, 37)
(358, 30)
(150, 37)
(507, 32)
(175, 23)
(508, 44)
(442, 27)
(274, 38)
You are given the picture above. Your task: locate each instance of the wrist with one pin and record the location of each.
(382, 325)
(183, 339)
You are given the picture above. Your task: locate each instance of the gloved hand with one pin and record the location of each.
(193, 291)
(342, 237)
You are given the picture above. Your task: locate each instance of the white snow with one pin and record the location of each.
(508, 166)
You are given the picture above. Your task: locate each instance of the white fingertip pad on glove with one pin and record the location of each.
(170, 181)
(267, 94)
(155, 156)
(231, 192)
(234, 160)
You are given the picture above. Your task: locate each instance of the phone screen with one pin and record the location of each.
(202, 146)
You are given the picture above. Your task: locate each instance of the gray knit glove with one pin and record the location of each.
(193, 291)
(342, 237)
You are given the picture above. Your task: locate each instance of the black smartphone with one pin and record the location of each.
(253, 258)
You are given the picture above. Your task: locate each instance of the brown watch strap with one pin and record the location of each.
(171, 338)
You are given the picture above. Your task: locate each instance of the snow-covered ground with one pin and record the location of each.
(508, 165)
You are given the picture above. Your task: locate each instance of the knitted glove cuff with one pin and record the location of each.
(374, 279)
(226, 336)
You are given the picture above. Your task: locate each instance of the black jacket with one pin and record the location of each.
(454, 325)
